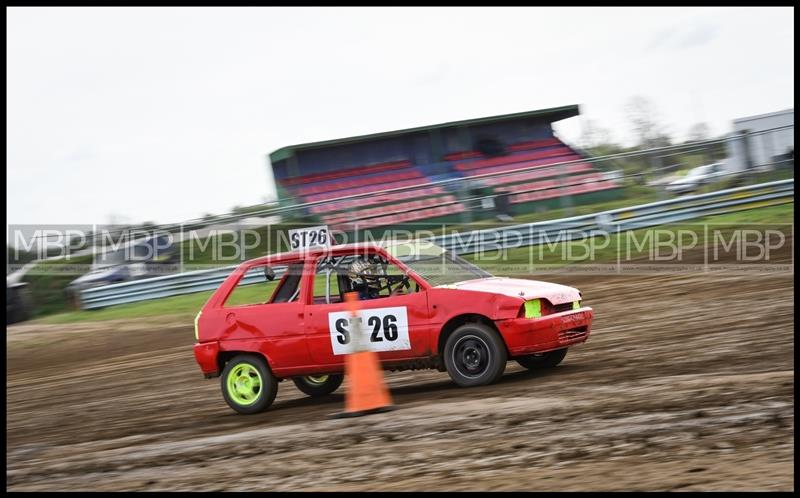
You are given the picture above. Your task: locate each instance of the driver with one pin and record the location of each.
(364, 277)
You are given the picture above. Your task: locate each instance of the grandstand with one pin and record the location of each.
(519, 152)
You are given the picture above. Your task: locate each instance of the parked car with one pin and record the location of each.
(18, 302)
(147, 257)
(421, 307)
(697, 177)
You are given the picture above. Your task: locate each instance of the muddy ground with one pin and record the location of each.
(686, 383)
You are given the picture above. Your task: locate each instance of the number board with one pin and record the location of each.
(383, 329)
(305, 238)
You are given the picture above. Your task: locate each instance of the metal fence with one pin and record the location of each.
(529, 234)
(623, 219)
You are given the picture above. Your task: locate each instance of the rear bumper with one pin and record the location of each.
(206, 355)
(537, 335)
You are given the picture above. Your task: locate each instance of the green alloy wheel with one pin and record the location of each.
(318, 385)
(247, 384)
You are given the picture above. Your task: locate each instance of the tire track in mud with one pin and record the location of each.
(677, 388)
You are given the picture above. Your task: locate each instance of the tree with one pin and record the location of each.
(644, 118)
(597, 139)
(594, 135)
(660, 139)
(17, 257)
(699, 132)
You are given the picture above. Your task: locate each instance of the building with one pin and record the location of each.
(529, 167)
(759, 140)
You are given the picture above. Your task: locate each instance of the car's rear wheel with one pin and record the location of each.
(475, 355)
(248, 386)
(318, 385)
(542, 360)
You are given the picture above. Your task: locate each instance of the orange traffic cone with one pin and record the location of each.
(366, 390)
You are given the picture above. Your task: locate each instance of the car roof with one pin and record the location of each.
(313, 253)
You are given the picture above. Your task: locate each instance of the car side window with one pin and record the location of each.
(370, 275)
(254, 288)
(326, 280)
(391, 280)
(288, 290)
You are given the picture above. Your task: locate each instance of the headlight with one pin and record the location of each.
(533, 308)
(196, 330)
(537, 308)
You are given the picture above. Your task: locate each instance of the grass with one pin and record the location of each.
(187, 306)
(783, 213)
(521, 258)
(48, 280)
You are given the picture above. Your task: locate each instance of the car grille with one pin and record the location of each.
(558, 308)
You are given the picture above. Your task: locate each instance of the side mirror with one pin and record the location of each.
(269, 273)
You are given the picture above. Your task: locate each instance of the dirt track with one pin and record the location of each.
(685, 384)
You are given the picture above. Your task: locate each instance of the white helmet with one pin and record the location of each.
(360, 272)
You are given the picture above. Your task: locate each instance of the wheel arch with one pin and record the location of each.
(223, 357)
(455, 322)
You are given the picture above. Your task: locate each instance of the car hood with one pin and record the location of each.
(518, 287)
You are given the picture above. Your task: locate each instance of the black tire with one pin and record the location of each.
(318, 385)
(542, 360)
(257, 382)
(475, 355)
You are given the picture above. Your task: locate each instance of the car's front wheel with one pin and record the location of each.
(248, 386)
(318, 385)
(475, 355)
(542, 360)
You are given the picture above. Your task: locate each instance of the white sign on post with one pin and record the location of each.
(306, 238)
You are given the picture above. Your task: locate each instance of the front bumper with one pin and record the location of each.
(206, 355)
(547, 333)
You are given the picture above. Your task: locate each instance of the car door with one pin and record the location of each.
(396, 326)
(268, 316)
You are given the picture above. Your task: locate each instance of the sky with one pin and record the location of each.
(129, 115)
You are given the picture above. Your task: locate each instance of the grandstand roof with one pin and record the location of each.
(557, 113)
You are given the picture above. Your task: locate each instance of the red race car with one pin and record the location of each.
(421, 307)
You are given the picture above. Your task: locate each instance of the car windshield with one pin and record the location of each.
(435, 264)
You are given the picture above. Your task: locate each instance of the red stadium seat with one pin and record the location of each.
(393, 219)
(389, 209)
(358, 170)
(527, 145)
(366, 189)
(349, 183)
(522, 165)
(567, 169)
(515, 158)
(545, 177)
(558, 192)
(377, 199)
(535, 144)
